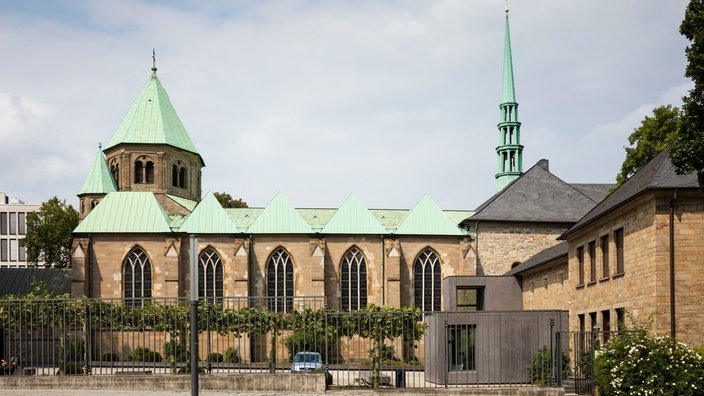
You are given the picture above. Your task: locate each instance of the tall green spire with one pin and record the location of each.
(509, 151)
(152, 120)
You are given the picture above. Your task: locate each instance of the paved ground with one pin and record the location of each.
(88, 392)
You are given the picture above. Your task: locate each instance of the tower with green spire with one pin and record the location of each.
(509, 151)
(151, 151)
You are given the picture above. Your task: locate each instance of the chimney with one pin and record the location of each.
(545, 164)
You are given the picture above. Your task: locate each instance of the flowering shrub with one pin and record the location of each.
(638, 363)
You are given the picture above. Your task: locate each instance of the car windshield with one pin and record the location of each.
(307, 358)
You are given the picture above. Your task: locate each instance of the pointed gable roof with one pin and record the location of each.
(152, 120)
(126, 212)
(279, 217)
(99, 180)
(536, 196)
(426, 218)
(209, 218)
(658, 174)
(353, 218)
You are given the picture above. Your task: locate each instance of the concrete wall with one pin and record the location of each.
(501, 293)
(282, 382)
(505, 343)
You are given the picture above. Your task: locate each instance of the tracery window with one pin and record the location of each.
(279, 279)
(427, 280)
(137, 271)
(210, 276)
(353, 280)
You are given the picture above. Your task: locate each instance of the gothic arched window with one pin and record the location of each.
(210, 276)
(353, 280)
(137, 275)
(427, 280)
(279, 281)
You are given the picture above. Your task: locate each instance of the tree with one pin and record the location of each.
(49, 236)
(227, 201)
(687, 151)
(653, 135)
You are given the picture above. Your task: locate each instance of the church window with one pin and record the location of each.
(427, 280)
(92, 204)
(137, 278)
(210, 276)
(353, 274)
(279, 274)
(138, 172)
(149, 173)
(115, 171)
(182, 177)
(174, 176)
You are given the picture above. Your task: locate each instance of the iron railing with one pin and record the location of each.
(367, 348)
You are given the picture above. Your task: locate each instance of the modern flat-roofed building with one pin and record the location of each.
(13, 228)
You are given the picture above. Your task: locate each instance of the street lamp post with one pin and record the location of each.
(194, 314)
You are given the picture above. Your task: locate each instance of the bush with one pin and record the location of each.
(540, 365)
(144, 354)
(187, 369)
(216, 357)
(174, 351)
(77, 349)
(232, 355)
(110, 357)
(69, 368)
(639, 363)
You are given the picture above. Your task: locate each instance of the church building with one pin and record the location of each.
(142, 202)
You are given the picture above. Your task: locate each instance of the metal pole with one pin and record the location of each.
(194, 314)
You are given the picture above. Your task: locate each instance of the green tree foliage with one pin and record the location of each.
(646, 141)
(687, 152)
(49, 233)
(227, 201)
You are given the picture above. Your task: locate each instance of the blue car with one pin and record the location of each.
(306, 361)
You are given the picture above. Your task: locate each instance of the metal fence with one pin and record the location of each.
(371, 348)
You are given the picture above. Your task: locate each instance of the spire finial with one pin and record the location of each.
(507, 6)
(100, 146)
(154, 58)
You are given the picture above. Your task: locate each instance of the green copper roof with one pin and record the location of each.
(242, 218)
(353, 218)
(129, 212)
(152, 120)
(426, 218)
(186, 203)
(316, 218)
(279, 217)
(209, 218)
(509, 94)
(99, 180)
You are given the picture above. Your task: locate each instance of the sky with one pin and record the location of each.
(385, 99)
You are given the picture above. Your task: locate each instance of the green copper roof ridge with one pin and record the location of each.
(99, 179)
(426, 218)
(209, 217)
(508, 89)
(146, 123)
(353, 217)
(126, 212)
(279, 217)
